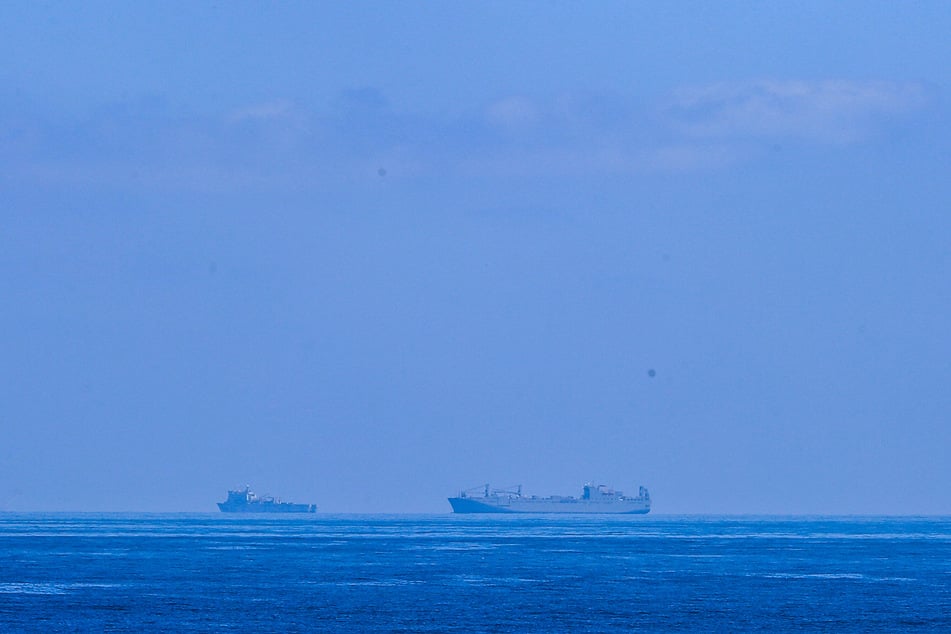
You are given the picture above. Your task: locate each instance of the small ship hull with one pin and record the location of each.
(245, 501)
(284, 507)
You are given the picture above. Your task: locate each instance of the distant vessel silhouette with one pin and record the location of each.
(245, 501)
(594, 499)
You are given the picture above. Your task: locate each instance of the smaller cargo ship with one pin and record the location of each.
(594, 499)
(245, 501)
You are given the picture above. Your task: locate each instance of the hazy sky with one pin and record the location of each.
(365, 255)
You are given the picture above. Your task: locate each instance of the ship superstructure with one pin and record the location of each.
(594, 499)
(245, 501)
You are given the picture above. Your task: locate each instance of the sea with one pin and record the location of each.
(472, 573)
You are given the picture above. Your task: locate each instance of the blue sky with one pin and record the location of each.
(368, 255)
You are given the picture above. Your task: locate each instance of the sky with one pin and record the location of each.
(366, 255)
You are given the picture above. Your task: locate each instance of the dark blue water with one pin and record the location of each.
(472, 573)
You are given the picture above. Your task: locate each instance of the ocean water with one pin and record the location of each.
(472, 573)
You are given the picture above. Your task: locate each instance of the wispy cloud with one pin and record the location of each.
(277, 109)
(831, 111)
(688, 157)
(512, 112)
(280, 142)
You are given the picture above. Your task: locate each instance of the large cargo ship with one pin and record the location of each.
(245, 501)
(594, 499)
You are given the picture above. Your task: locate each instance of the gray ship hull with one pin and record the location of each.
(595, 500)
(474, 505)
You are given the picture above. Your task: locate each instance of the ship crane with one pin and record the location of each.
(484, 488)
(488, 491)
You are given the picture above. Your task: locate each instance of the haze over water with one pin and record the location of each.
(368, 256)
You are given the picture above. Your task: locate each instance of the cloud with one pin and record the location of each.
(830, 111)
(687, 157)
(282, 144)
(366, 99)
(512, 112)
(277, 109)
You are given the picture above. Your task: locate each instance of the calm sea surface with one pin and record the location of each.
(472, 573)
